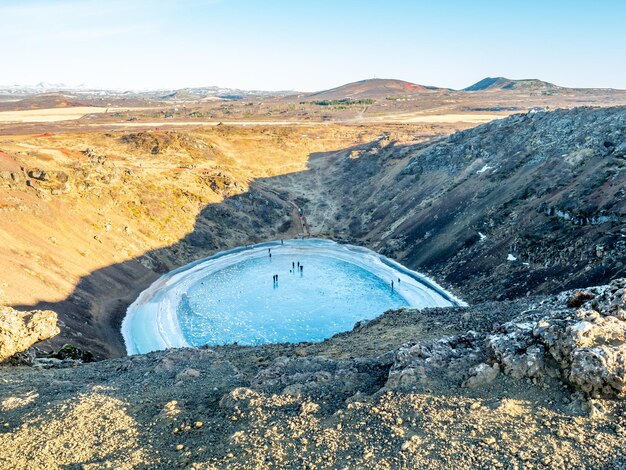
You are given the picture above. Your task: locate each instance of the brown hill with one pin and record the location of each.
(501, 83)
(376, 88)
(43, 101)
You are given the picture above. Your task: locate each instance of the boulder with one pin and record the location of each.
(586, 347)
(513, 348)
(481, 375)
(20, 330)
(445, 360)
(320, 377)
(600, 369)
(69, 351)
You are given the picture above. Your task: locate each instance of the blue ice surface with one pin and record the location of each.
(242, 304)
(230, 297)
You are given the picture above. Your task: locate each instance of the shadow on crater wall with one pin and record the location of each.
(93, 313)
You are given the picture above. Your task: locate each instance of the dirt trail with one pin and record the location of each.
(324, 207)
(272, 194)
(309, 187)
(296, 220)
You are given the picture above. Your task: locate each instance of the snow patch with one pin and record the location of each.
(483, 169)
(511, 258)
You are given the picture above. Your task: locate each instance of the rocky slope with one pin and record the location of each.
(376, 88)
(501, 83)
(529, 204)
(534, 383)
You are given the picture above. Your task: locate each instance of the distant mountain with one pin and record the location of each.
(211, 92)
(43, 101)
(501, 83)
(376, 88)
(55, 87)
(182, 94)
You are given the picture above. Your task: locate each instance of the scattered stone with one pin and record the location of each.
(318, 376)
(579, 298)
(422, 363)
(68, 351)
(187, 374)
(39, 174)
(595, 409)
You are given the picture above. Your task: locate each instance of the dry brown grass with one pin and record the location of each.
(57, 114)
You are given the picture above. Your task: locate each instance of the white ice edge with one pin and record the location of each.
(158, 303)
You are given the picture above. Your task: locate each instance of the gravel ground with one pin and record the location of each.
(213, 408)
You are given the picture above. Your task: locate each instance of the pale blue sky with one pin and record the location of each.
(310, 44)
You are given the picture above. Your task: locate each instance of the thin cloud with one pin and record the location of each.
(42, 23)
(91, 34)
(74, 8)
(70, 8)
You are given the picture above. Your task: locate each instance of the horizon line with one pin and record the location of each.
(88, 87)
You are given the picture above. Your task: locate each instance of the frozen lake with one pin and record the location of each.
(232, 296)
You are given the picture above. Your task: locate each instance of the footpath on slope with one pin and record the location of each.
(297, 214)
